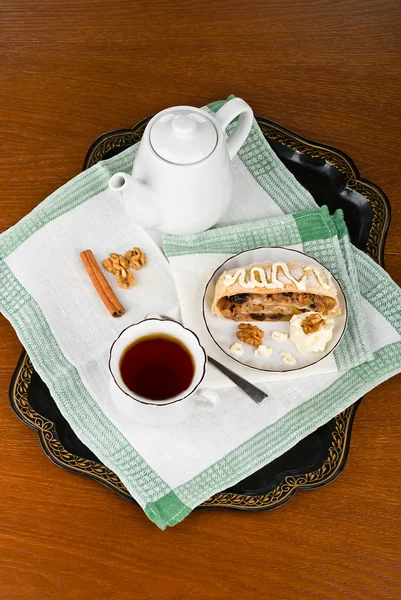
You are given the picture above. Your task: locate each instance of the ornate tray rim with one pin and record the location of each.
(341, 435)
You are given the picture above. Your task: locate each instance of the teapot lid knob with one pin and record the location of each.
(183, 135)
(183, 124)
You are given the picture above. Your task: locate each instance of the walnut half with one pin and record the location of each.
(312, 323)
(118, 265)
(136, 258)
(250, 334)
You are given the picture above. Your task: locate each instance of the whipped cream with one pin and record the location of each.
(310, 342)
(279, 336)
(264, 351)
(237, 349)
(288, 358)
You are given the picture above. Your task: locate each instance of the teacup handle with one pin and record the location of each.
(226, 114)
(207, 400)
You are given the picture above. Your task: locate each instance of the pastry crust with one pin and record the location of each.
(274, 291)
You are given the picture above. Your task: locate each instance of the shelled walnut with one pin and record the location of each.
(250, 334)
(312, 323)
(136, 258)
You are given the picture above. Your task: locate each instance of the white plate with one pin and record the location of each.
(223, 331)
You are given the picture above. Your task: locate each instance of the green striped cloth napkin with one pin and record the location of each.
(315, 233)
(170, 471)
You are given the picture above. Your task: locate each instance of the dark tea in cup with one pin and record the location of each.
(157, 367)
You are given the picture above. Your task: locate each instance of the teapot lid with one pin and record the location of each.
(183, 135)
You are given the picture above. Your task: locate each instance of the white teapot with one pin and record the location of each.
(181, 181)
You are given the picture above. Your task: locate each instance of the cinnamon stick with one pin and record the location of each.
(101, 284)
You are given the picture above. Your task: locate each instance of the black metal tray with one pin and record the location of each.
(333, 179)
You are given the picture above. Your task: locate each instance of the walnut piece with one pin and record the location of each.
(118, 265)
(312, 323)
(250, 334)
(136, 258)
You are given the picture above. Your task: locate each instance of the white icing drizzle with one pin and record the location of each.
(325, 284)
(252, 281)
(275, 282)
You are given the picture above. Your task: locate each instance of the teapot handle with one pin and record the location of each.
(226, 114)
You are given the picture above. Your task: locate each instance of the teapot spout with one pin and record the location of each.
(138, 199)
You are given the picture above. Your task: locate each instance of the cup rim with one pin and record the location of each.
(143, 399)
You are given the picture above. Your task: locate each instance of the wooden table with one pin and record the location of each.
(72, 70)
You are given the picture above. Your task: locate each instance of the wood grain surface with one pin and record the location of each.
(72, 70)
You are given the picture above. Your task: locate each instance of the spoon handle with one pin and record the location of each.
(253, 392)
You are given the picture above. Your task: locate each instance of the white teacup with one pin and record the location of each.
(171, 410)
